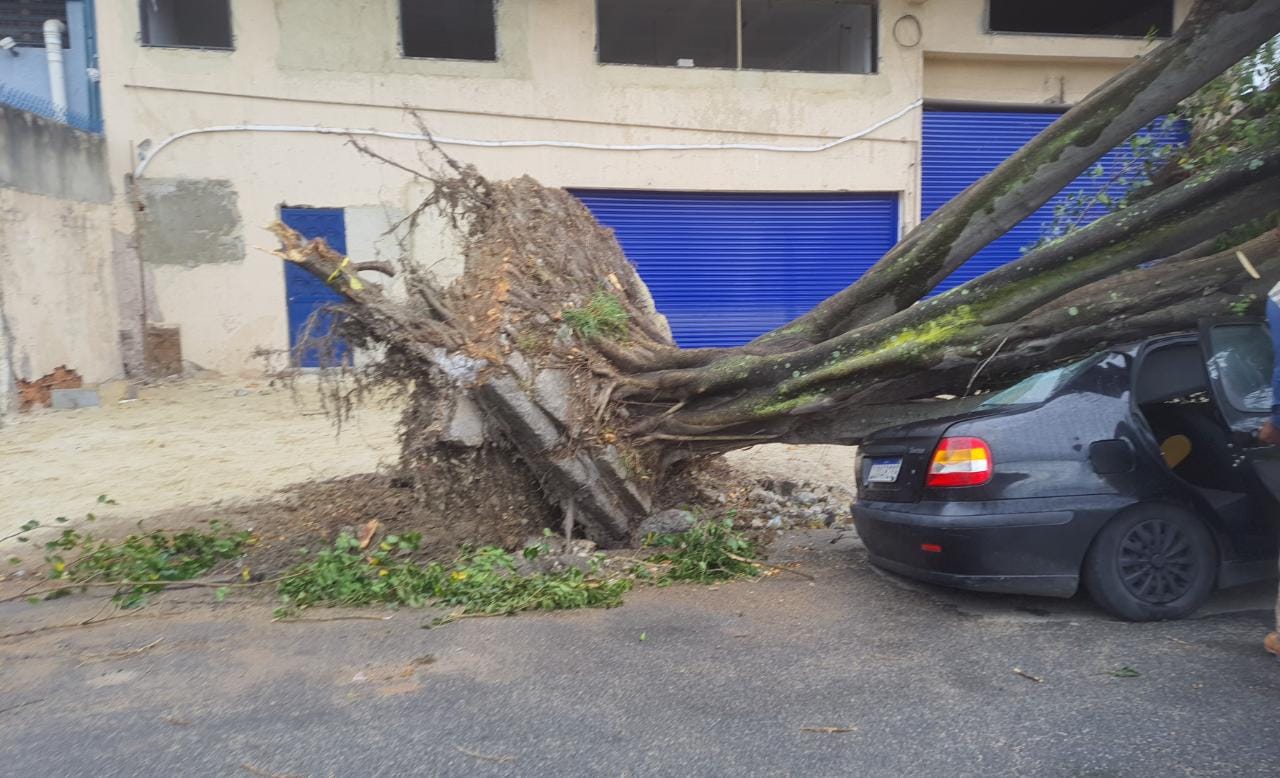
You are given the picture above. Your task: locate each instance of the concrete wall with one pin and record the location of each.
(337, 64)
(57, 278)
(43, 157)
(29, 71)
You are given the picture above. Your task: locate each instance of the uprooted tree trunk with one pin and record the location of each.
(547, 364)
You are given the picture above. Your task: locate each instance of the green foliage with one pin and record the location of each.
(602, 316)
(488, 580)
(711, 551)
(346, 575)
(483, 581)
(1234, 114)
(139, 559)
(1240, 306)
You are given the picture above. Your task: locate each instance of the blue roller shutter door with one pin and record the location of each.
(726, 267)
(962, 146)
(305, 294)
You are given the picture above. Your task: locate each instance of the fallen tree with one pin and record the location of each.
(545, 373)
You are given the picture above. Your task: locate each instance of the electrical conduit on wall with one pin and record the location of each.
(284, 128)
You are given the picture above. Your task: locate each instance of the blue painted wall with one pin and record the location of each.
(24, 79)
(962, 146)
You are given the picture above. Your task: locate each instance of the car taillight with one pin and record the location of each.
(960, 462)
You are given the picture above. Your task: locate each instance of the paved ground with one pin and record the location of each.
(685, 680)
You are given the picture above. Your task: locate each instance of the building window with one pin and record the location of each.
(23, 20)
(188, 24)
(449, 29)
(825, 36)
(1121, 18)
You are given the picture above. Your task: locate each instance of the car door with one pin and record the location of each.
(1239, 358)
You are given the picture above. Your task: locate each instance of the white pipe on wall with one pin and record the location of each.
(53, 30)
(146, 157)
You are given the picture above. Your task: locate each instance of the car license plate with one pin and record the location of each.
(884, 471)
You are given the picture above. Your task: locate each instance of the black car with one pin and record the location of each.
(1133, 472)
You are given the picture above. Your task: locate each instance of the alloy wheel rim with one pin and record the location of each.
(1156, 561)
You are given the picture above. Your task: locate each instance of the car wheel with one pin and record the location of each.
(1151, 562)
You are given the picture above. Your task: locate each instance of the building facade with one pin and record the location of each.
(777, 146)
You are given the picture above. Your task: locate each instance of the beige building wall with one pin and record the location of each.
(57, 279)
(57, 292)
(332, 63)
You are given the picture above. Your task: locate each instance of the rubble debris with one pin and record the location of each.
(766, 503)
(672, 521)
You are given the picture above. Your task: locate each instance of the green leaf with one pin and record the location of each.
(220, 593)
(1124, 672)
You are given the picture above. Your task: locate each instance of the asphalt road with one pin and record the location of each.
(680, 681)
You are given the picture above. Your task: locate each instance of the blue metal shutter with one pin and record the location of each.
(726, 267)
(304, 292)
(962, 146)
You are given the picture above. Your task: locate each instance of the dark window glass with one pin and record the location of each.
(449, 29)
(195, 24)
(832, 36)
(1126, 18)
(826, 36)
(693, 33)
(1241, 363)
(23, 20)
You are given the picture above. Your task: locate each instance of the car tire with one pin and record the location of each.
(1152, 562)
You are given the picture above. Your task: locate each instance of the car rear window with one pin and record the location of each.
(1041, 386)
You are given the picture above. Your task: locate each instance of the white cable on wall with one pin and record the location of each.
(559, 144)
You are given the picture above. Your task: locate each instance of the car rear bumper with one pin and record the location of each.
(1012, 546)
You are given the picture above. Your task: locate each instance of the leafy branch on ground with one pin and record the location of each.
(481, 581)
(33, 525)
(710, 551)
(490, 581)
(138, 565)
